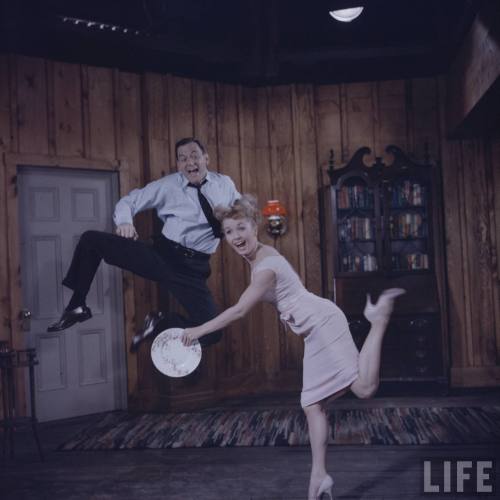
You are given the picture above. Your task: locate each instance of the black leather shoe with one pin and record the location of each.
(150, 322)
(69, 318)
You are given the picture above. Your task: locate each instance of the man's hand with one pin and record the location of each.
(127, 231)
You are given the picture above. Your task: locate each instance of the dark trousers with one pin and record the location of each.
(185, 277)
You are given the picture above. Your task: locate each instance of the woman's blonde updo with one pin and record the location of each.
(243, 208)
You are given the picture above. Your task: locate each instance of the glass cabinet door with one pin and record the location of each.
(356, 226)
(407, 224)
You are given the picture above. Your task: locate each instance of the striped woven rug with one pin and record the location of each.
(391, 426)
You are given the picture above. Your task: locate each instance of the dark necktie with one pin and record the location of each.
(207, 210)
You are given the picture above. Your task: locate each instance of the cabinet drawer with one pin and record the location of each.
(411, 348)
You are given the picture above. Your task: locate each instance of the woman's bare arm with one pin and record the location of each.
(261, 282)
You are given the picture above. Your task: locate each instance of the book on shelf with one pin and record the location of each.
(359, 263)
(407, 225)
(408, 193)
(356, 228)
(410, 261)
(357, 196)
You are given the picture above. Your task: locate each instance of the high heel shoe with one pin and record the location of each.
(325, 487)
(383, 308)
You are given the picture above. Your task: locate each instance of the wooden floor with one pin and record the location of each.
(265, 473)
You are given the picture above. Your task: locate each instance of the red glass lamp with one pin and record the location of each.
(275, 215)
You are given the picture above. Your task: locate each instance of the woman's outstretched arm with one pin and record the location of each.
(261, 282)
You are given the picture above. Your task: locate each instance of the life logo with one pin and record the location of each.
(464, 476)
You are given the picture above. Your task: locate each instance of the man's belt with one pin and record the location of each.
(164, 244)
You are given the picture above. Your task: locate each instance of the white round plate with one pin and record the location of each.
(172, 357)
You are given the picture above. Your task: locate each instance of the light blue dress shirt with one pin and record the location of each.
(177, 205)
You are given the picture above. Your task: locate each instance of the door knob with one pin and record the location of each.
(25, 317)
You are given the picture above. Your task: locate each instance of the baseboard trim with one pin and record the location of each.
(483, 376)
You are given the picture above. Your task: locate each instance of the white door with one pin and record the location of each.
(82, 369)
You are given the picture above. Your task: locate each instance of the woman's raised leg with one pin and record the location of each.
(378, 315)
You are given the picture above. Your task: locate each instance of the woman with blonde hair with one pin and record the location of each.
(332, 364)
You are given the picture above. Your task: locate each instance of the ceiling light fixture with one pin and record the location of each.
(89, 24)
(346, 15)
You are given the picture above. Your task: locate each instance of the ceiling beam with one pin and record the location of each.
(475, 74)
(210, 52)
(350, 53)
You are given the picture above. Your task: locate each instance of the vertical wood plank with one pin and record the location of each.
(17, 340)
(51, 126)
(478, 242)
(494, 186)
(205, 129)
(156, 164)
(101, 113)
(205, 119)
(283, 172)
(84, 75)
(237, 336)
(249, 178)
(180, 111)
(139, 298)
(360, 117)
(258, 181)
(309, 174)
(284, 189)
(14, 112)
(440, 231)
(410, 116)
(129, 114)
(32, 105)
(5, 144)
(5, 314)
(204, 122)
(344, 124)
(425, 116)
(392, 115)
(377, 147)
(296, 148)
(328, 127)
(329, 136)
(67, 91)
(467, 338)
(133, 370)
(251, 172)
(5, 306)
(173, 120)
(5, 106)
(156, 127)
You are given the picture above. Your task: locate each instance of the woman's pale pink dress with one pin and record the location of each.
(330, 355)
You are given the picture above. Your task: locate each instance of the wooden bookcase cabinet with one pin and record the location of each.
(380, 232)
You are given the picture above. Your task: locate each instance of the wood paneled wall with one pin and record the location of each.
(471, 173)
(471, 176)
(272, 141)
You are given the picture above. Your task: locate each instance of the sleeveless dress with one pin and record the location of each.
(330, 356)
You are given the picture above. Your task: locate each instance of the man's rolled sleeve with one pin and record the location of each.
(122, 214)
(233, 192)
(137, 201)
